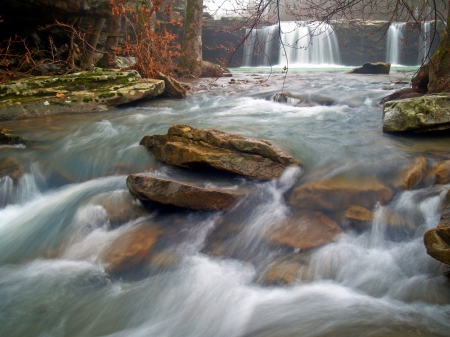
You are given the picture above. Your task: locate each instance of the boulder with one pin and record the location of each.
(338, 193)
(89, 91)
(173, 88)
(298, 99)
(214, 70)
(372, 68)
(358, 218)
(10, 167)
(287, 270)
(401, 94)
(8, 138)
(304, 230)
(132, 251)
(187, 147)
(426, 113)
(442, 172)
(437, 240)
(175, 193)
(412, 174)
(120, 207)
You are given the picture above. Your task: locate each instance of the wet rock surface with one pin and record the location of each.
(338, 193)
(304, 230)
(92, 91)
(423, 114)
(179, 194)
(372, 68)
(8, 138)
(187, 147)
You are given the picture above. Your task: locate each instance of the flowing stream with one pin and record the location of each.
(55, 224)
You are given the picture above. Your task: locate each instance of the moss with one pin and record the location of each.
(119, 94)
(87, 99)
(107, 95)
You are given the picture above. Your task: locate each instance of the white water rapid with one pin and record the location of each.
(217, 274)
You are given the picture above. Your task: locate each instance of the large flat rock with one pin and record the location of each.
(179, 194)
(90, 91)
(185, 146)
(420, 114)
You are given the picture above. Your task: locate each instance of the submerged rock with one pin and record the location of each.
(132, 251)
(442, 172)
(90, 91)
(338, 193)
(307, 99)
(304, 231)
(175, 193)
(412, 175)
(358, 218)
(187, 147)
(426, 113)
(8, 138)
(372, 68)
(437, 240)
(10, 167)
(287, 270)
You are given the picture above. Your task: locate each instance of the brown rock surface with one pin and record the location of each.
(174, 193)
(338, 193)
(132, 250)
(412, 175)
(442, 172)
(359, 218)
(188, 147)
(11, 167)
(304, 231)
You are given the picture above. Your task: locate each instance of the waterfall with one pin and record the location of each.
(304, 43)
(424, 43)
(394, 42)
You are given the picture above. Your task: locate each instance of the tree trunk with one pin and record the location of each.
(191, 48)
(112, 41)
(87, 58)
(439, 64)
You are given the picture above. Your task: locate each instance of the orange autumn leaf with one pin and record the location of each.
(60, 95)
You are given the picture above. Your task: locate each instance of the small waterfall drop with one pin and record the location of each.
(395, 37)
(424, 43)
(305, 44)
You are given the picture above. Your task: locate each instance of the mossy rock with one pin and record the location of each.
(90, 91)
(422, 114)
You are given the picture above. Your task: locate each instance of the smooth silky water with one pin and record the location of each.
(53, 232)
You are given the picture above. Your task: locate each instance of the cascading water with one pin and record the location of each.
(207, 273)
(424, 43)
(395, 36)
(304, 44)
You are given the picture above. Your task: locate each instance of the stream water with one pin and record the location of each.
(54, 229)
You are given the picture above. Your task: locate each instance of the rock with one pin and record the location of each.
(214, 70)
(304, 231)
(412, 175)
(442, 172)
(10, 167)
(420, 81)
(120, 207)
(401, 94)
(437, 240)
(132, 251)
(297, 99)
(187, 147)
(426, 113)
(358, 218)
(437, 243)
(372, 68)
(173, 88)
(338, 193)
(7, 138)
(287, 270)
(97, 90)
(174, 193)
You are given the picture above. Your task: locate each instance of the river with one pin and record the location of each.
(54, 229)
